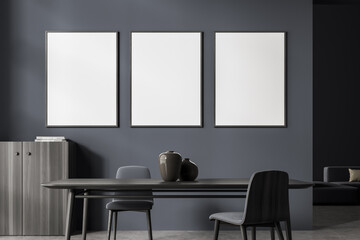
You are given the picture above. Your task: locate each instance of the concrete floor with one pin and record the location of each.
(330, 223)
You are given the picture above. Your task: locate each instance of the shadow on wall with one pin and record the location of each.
(88, 164)
(4, 68)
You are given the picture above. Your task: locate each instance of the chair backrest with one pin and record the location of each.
(267, 198)
(130, 172)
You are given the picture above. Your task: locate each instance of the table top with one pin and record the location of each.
(153, 184)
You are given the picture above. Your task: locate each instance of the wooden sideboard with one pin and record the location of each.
(25, 207)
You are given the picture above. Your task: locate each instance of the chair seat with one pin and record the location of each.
(129, 205)
(228, 217)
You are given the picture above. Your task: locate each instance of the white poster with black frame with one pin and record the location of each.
(250, 79)
(166, 79)
(82, 79)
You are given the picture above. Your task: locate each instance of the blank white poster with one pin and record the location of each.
(82, 79)
(250, 79)
(166, 79)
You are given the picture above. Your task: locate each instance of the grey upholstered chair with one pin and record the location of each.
(126, 204)
(267, 204)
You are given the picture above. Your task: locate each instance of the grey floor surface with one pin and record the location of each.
(330, 223)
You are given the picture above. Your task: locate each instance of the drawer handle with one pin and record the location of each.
(29, 153)
(17, 153)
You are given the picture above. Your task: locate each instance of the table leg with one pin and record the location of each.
(85, 210)
(71, 197)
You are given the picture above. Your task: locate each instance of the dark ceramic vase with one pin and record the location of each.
(189, 171)
(170, 163)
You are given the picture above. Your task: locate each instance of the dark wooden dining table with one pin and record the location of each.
(105, 188)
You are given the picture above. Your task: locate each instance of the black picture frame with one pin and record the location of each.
(201, 83)
(285, 125)
(116, 125)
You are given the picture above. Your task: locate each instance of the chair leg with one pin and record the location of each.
(115, 224)
(272, 233)
(288, 230)
(216, 229)
(253, 233)
(85, 218)
(149, 224)
(243, 232)
(109, 224)
(279, 231)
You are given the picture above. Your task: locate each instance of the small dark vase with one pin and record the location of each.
(170, 163)
(189, 171)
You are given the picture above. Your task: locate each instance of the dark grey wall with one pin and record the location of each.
(4, 67)
(225, 152)
(336, 86)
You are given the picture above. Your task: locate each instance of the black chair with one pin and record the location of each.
(267, 204)
(140, 205)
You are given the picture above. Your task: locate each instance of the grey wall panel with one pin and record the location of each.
(5, 62)
(217, 152)
(11, 188)
(336, 85)
(44, 210)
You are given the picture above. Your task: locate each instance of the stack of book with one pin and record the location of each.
(49, 139)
